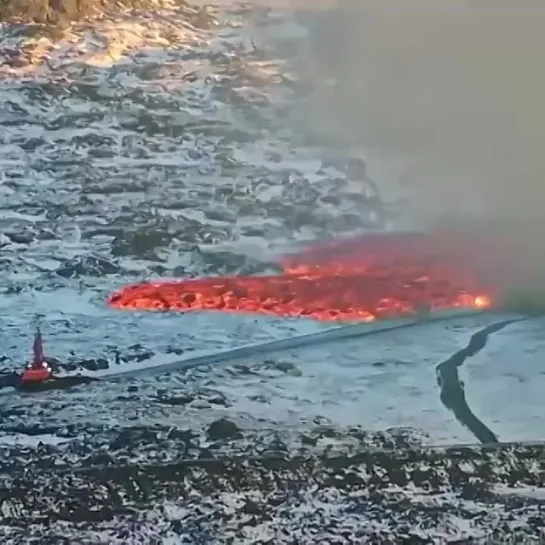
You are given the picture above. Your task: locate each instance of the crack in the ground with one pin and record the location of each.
(452, 390)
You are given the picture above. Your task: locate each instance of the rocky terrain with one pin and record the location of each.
(391, 491)
(161, 143)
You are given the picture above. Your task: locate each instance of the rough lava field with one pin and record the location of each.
(159, 145)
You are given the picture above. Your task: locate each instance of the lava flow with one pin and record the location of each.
(371, 279)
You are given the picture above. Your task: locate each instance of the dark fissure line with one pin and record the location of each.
(452, 391)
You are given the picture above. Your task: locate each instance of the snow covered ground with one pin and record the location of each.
(504, 382)
(153, 146)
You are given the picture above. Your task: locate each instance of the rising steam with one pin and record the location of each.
(454, 88)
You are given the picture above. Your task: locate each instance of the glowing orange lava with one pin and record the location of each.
(376, 277)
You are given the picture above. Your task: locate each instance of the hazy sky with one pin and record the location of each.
(456, 88)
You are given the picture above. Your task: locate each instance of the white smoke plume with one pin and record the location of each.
(455, 88)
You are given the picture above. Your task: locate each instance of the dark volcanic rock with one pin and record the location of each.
(62, 12)
(378, 496)
(224, 429)
(177, 400)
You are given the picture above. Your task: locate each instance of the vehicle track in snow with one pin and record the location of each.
(452, 389)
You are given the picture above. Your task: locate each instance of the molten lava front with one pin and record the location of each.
(373, 278)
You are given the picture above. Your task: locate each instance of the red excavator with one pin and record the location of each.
(38, 370)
